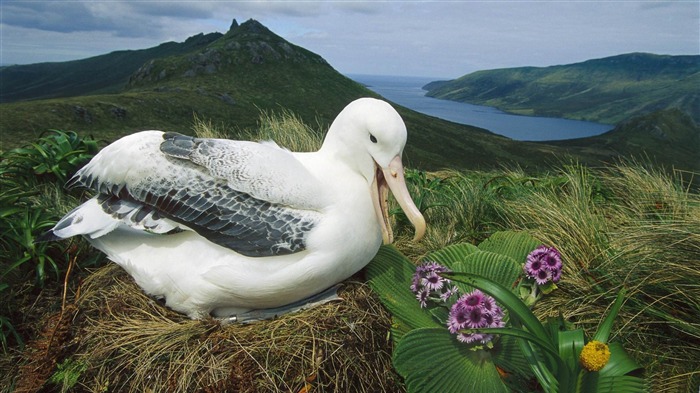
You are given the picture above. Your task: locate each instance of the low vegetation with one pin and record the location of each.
(72, 322)
(607, 90)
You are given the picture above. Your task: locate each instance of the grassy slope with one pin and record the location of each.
(667, 137)
(619, 226)
(606, 90)
(99, 74)
(250, 69)
(229, 82)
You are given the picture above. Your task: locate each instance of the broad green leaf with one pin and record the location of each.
(432, 360)
(517, 333)
(594, 382)
(390, 274)
(514, 244)
(539, 367)
(571, 343)
(451, 255)
(496, 267)
(398, 329)
(508, 356)
(620, 362)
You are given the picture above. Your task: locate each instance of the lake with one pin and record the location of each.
(408, 92)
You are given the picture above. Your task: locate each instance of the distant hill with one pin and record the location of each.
(668, 137)
(100, 74)
(607, 90)
(227, 80)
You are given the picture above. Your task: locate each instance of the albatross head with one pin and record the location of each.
(373, 135)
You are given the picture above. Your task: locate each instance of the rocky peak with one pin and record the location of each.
(248, 43)
(252, 30)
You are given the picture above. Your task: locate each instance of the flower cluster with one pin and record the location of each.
(594, 355)
(474, 311)
(427, 284)
(543, 265)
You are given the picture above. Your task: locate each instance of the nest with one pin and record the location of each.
(126, 341)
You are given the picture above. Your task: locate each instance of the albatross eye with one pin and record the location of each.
(372, 138)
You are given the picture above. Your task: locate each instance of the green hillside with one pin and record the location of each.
(607, 90)
(100, 74)
(669, 137)
(229, 82)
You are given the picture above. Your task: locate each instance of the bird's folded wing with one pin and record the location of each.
(254, 199)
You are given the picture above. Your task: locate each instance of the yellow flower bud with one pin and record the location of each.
(594, 355)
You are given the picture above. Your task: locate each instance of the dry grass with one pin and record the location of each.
(284, 128)
(625, 225)
(632, 227)
(130, 343)
(287, 130)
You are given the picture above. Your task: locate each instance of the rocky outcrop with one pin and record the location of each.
(249, 43)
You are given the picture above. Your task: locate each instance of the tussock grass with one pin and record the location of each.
(134, 344)
(284, 128)
(623, 225)
(287, 130)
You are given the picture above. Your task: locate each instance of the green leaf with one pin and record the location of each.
(613, 377)
(571, 343)
(594, 382)
(516, 245)
(518, 333)
(451, 255)
(496, 267)
(508, 356)
(390, 274)
(620, 362)
(539, 367)
(432, 360)
(603, 332)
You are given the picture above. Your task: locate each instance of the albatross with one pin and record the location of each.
(221, 227)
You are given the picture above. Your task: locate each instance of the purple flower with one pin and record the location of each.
(542, 276)
(473, 299)
(422, 297)
(432, 281)
(473, 311)
(556, 275)
(428, 285)
(459, 316)
(449, 293)
(543, 264)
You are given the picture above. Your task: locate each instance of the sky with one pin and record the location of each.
(443, 39)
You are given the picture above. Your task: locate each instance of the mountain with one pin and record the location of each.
(228, 82)
(668, 137)
(100, 74)
(607, 90)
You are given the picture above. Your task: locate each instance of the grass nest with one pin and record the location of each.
(113, 337)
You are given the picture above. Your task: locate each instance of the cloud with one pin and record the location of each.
(439, 38)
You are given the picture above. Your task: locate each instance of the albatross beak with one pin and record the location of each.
(392, 176)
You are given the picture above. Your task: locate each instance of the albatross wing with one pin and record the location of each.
(255, 199)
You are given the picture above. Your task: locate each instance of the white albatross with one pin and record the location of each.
(220, 227)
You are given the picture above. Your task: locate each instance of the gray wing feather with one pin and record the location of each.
(172, 184)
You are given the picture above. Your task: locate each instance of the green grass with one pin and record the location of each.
(607, 90)
(624, 225)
